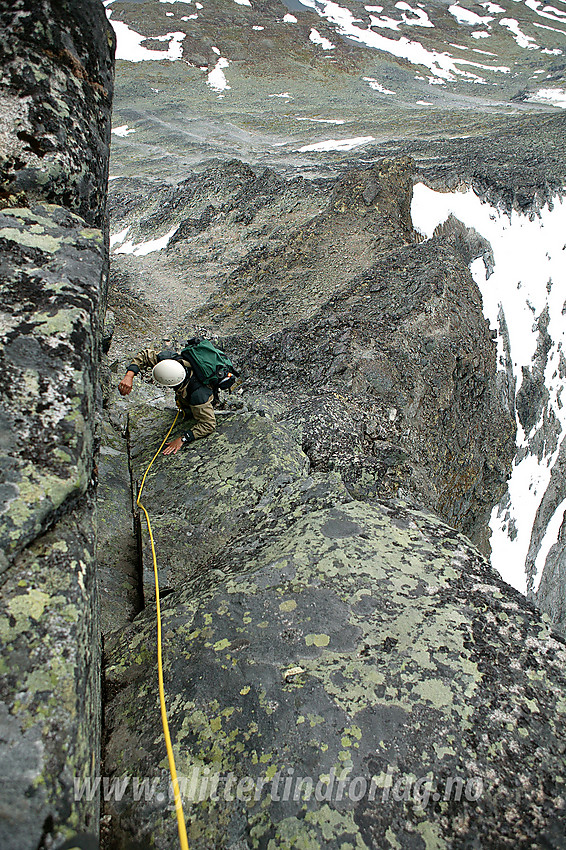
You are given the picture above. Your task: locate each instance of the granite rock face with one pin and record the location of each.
(52, 277)
(334, 670)
(56, 88)
(50, 686)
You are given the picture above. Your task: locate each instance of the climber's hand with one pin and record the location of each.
(173, 447)
(125, 385)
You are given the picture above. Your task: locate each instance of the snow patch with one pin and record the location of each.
(493, 8)
(317, 38)
(384, 22)
(522, 40)
(555, 97)
(550, 12)
(420, 19)
(417, 17)
(338, 144)
(143, 248)
(216, 78)
(551, 29)
(118, 238)
(123, 131)
(464, 16)
(373, 84)
(129, 45)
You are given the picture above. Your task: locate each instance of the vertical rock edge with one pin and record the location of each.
(56, 87)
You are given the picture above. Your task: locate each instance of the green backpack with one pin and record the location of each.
(210, 365)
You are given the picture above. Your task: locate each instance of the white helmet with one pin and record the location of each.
(169, 373)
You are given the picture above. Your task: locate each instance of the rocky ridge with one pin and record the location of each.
(246, 235)
(389, 335)
(366, 395)
(313, 638)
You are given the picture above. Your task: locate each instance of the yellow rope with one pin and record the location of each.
(167, 736)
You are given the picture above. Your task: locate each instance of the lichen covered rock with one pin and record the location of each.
(203, 497)
(56, 61)
(342, 674)
(52, 278)
(56, 88)
(50, 686)
(53, 272)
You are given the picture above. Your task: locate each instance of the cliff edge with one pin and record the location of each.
(55, 92)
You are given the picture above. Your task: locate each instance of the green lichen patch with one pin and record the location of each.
(50, 685)
(392, 698)
(49, 298)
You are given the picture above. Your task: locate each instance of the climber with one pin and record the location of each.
(170, 370)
